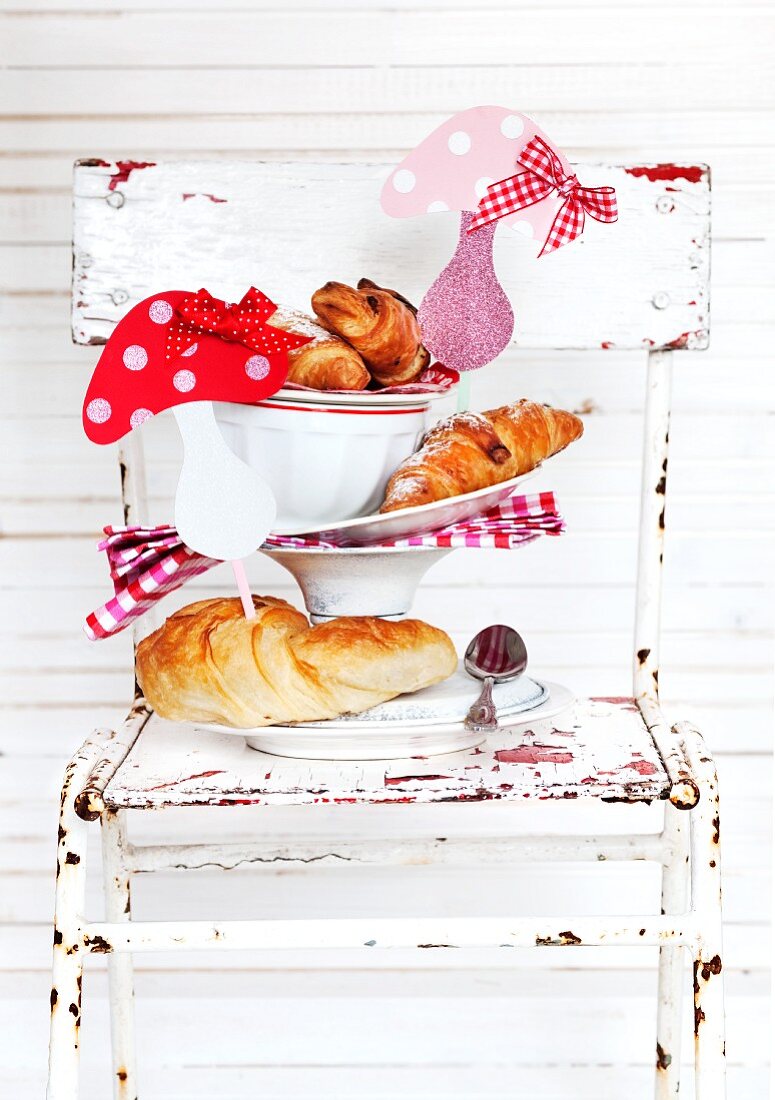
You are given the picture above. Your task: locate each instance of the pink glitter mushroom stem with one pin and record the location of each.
(466, 318)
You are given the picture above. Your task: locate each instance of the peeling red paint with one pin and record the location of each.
(692, 173)
(642, 767)
(124, 170)
(534, 754)
(397, 780)
(682, 341)
(185, 779)
(202, 195)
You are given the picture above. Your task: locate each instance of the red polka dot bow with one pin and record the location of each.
(544, 174)
(242, 323)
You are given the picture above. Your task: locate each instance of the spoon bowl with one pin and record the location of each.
(494, 655)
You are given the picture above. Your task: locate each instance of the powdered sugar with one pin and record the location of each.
(301, 324)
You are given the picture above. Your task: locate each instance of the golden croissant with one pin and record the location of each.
(470, 451)
(327, 362)
(208, 663)
(379, 323)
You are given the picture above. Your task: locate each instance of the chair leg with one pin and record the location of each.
(704, 824)
(120, 981)
(64, 1040)
(675, 882)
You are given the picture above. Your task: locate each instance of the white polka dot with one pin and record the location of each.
(189, 351)
(435, 207)
(459, 143)
(184, 381)
(98, 410)
(257, 367)
(523, 227)
(139, 416)
(135, 357)
(404, 181)
(481, 185)
(512, 126)
(160, 312)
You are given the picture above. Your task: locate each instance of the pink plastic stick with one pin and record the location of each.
(238, 568)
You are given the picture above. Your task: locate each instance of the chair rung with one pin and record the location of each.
(434, 932)
(303, 851)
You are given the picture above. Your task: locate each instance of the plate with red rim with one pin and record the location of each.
(405, 522)
(359, 399)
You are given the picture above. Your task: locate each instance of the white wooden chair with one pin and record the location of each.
(641, 284)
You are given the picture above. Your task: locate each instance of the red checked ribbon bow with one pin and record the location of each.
(544, 174)
(243, 322)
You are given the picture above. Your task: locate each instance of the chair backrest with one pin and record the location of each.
(141, 227)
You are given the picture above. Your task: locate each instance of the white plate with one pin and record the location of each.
(442, 704)
(362, 398)
(412, 521)
(386, 741)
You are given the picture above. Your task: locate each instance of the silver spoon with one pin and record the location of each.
(496, 654)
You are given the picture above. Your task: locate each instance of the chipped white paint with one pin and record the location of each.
(695, 926)
(598, 749)
(640, 284)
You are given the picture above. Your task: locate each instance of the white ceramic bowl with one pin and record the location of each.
(323, 462)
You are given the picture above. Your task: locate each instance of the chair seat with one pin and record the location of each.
(598, 748)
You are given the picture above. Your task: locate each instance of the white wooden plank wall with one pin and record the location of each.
(626, 81)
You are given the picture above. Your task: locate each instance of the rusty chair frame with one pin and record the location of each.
(687, 849)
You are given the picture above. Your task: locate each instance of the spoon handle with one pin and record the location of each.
(483, 714)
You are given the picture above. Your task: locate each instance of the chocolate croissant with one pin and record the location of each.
(469, 451)
(208, 663)
(328, 362)
(381, 326)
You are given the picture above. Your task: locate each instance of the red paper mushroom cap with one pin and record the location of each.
(158, 357)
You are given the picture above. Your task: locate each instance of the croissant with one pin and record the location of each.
(469, 451)
(380, 324)
(208, 663)
(327, 363)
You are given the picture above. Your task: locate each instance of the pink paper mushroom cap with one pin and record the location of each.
(452, 168)
(466, 316)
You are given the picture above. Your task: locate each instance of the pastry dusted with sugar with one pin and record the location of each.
(208, 663)
(380, 324)
(328, 362)
(470, 451)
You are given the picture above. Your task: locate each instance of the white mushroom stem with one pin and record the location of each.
(223, 508)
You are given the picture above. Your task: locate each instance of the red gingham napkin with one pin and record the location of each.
(146, 563)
